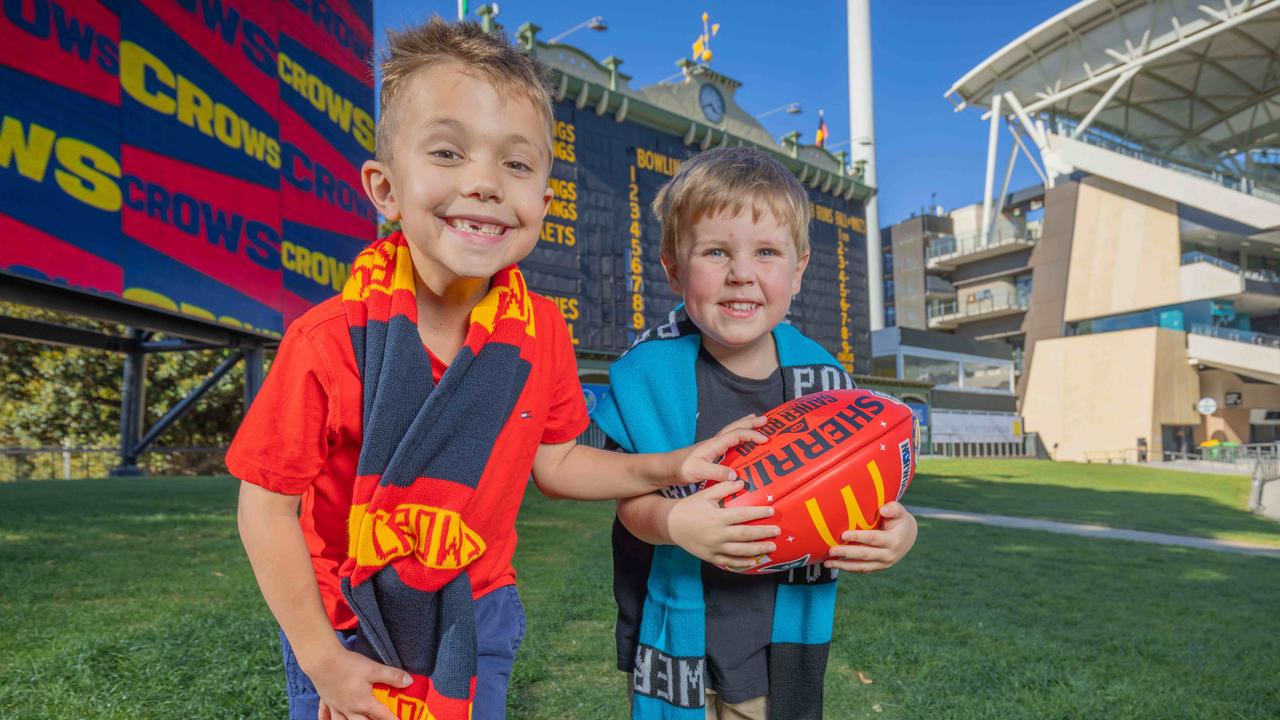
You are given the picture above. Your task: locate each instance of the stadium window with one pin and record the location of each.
(939, 372)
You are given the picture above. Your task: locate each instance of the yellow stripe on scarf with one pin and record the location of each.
(513, 300)
(436, 537)
(374, 270)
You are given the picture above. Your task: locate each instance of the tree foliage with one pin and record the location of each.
(54, 395)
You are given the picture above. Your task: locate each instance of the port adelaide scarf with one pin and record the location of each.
(652, 407)
(412, 531)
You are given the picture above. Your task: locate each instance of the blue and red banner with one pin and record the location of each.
(199, 156)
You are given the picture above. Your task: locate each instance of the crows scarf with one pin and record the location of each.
(652, 407)
(424, 451)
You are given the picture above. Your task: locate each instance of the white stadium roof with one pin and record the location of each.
(1193, 79)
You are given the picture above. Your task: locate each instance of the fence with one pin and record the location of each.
(953, 446)
(68, 463)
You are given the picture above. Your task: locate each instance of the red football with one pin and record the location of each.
(832, 459)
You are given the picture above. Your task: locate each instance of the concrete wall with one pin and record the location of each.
(1102, 392)
(1049, 261)
(1233, 423)
(1126, 252)
(908, 273)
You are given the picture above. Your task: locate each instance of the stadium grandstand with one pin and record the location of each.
(1139, 283)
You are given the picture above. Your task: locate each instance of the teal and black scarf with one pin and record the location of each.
(652, 407)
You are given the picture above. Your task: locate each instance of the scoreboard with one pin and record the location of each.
(598, 253)
(202, 157)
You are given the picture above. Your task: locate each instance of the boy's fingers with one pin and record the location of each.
(747, 422)
(749, 533)
(746, 550)
(388, 675)
(866, 537)
(733, 562)
(720, 490)
(737, 515)
(707, 470)
(892, 510)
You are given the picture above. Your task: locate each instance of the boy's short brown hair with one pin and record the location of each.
(727, 180)
(495, 60)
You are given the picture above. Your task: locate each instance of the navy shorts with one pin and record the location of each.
(500, 627)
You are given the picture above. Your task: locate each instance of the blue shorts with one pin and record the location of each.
(500, 627)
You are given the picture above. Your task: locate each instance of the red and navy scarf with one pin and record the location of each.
(412, 531)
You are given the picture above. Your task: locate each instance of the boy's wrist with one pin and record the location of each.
(318, 652)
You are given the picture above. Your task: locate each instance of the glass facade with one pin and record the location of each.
(931, 370)
(980, 375)
(1172, 317)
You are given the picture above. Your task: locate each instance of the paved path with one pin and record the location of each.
(1102, 531)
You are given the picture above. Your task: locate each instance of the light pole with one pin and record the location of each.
(792, 108)
(595, 23)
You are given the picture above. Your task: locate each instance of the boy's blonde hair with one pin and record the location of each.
(727, 180)
(415, 49)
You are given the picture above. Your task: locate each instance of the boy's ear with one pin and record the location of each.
(799, 276)
(377, 185)
(673, 275)
(547, 196)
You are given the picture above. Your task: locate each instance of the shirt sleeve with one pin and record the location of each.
(567, 418)
(283, 442)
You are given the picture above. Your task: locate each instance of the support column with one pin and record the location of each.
(253, 375)
(862, 132)
(133, 404)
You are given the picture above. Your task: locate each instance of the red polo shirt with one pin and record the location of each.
(302, 437)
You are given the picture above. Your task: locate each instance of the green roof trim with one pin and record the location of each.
(673, 108)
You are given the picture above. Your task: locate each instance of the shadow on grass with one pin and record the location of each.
(1180, 514)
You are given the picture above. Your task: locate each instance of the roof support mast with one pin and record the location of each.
(993, 142)
(862, 131)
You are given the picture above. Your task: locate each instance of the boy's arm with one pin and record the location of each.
(698, 524)
(876, 550)
(273, 539)
(580, 472)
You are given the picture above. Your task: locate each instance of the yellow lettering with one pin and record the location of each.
(226, 126)
(287, 249)
(31, 150)
(88, 175)
(149, 297)
(195, 107)
(134, 63)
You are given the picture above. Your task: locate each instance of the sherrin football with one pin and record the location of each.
(831, 461)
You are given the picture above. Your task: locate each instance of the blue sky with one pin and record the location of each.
(784, 52)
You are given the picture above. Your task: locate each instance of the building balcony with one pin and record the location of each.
(950, 314)
(1205, 277)
(935, 288)
(1250, 354)
(947, 252)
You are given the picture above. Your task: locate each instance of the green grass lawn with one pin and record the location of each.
(132, 599)
(1122, 496)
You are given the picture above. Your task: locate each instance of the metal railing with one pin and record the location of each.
(71, 463)
(994, 302)
(973, 242)
(1236, 335)
(953, 446)
(1256, 274)
(1249, 186)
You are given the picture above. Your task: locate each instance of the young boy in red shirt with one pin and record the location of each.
(384, 461)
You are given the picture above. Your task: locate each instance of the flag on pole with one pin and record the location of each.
(820, 138)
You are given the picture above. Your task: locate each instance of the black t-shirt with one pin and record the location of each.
(739, 608)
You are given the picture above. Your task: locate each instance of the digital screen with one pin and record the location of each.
(197, 156)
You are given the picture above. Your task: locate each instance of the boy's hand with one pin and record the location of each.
(345, 682)
(701, 462)
(699, 525)
(875, 550)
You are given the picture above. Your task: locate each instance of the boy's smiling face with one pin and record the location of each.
(467, 177)
(737, 277)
